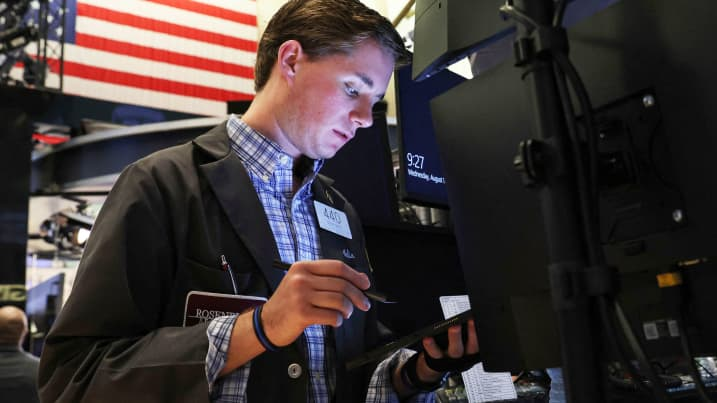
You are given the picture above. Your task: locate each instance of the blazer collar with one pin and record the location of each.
(215, 142)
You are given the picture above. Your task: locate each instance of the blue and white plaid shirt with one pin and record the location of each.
(291, 217)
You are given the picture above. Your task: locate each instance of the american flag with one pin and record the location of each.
(183, 55)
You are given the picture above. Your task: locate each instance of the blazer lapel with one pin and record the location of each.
(233, 188)
(333, 246)
(349, 337)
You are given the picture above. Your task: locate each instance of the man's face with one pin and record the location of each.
(331, 97)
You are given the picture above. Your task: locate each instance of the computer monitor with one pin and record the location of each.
(421, 179)
(650, 74)
(44, 302)
(449, 31)
(363, 172)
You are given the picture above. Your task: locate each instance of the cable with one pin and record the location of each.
(605, 304)
(657, 387)
(508, 10)
(586, 207)
(559, 13)
(586, 107)
(588, 195)
(587, 192)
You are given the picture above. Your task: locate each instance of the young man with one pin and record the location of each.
(214, 214)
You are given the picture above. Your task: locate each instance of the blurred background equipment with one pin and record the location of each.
(69, 229)
(31, 42)
(44, 301)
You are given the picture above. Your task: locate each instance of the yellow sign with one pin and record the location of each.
(12, 293)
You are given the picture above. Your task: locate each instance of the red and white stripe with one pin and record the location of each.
(188, 56)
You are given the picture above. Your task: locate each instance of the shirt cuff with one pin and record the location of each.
(219, 333)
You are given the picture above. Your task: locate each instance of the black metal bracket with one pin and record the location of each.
(544, 40)
(530, 162)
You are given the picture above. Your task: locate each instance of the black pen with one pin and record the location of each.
(227, 268)
(370, 293)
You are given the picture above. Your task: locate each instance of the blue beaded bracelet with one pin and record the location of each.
(259, 331)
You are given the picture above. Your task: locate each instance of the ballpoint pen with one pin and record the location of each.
(227, 268)
(370, 293)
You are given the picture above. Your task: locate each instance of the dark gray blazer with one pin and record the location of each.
(159, 235)
(18, 375)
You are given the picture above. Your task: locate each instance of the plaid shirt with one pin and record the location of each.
(291, 218)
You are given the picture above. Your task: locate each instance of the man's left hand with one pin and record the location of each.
(454, 358)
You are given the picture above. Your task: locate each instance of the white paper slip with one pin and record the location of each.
(480, 386)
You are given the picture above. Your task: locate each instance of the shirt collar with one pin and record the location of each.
(262, 156)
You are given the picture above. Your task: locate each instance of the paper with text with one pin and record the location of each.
(480, 386)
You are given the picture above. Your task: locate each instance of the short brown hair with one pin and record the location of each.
(324, 27)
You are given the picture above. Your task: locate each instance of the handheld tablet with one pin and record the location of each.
(435, 329)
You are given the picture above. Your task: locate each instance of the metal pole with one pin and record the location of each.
(403, 12)
(560, 210)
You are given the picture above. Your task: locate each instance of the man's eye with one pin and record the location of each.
(351, 91)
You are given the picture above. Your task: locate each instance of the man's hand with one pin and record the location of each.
(456, 350)
(312, 292)
(321, 292)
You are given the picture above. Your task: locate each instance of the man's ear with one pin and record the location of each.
(290, 52)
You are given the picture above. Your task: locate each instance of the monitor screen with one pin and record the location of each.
(421, 179)
(44, 302)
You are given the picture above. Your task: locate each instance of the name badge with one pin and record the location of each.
(332, 219)
(201, 306)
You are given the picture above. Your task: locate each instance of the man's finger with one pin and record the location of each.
(336, 268)
(472, 345)
(333, 301)
(432, 348)
(455, 342)
(343, 288)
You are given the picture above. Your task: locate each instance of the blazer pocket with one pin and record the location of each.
(214, 279)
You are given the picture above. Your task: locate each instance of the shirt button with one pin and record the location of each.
(284, 159)
(265, 178)
(294, 371)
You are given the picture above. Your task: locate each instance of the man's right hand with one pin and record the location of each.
(321, 292)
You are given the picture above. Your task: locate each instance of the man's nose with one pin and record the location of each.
(362, 115)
